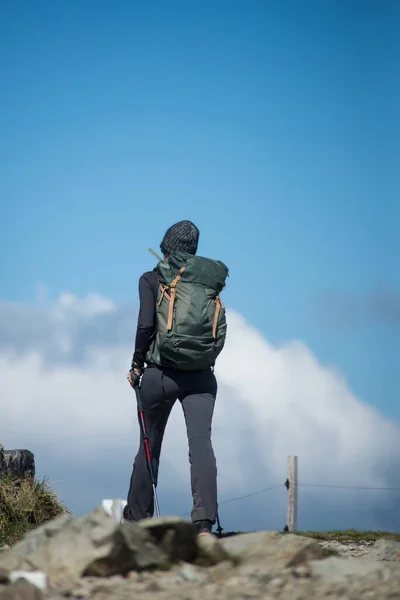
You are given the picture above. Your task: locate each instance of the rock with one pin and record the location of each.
(238, 545)
(192, 574)
(180, 576)
(97, 558)
(302, 571)
(114, 508)
(276, 582)
(3, 576)
(95, 544)
(36, 578)
(112, 587)
(127, 547)
(385, 550)
(307, 550)
(174, 535)
(2, 460)
(222, 570)
(20, 463)
(281, 551)
(21, 590)
(19, 556)
(211, 551)
(353, 548)
(339, 569)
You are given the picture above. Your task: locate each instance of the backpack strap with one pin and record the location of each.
(163, 289)
(172, 287)
(218, 306)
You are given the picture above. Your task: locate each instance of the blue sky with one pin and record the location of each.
(274, 126)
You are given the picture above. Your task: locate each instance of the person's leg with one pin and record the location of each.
(158, 400)
(198, 406)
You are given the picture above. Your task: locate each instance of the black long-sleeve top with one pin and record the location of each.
(147, 322)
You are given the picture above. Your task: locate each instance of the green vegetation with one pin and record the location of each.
(350, 535)
(25, 503)
(347, 536)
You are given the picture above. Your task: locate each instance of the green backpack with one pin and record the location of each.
(191, 321)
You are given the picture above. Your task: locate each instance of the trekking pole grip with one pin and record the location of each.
(138, 398)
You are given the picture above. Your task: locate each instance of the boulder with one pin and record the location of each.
(21, 590)
(93, 545)
(2, 460)
(241, 544)
(174, 535)
(20, 463)
(386, 550)
(211, 551)
(273, 549)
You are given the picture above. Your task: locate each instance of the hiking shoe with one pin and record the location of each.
(202, 527)
(126, 515)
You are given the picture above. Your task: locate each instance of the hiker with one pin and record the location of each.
(180, 332)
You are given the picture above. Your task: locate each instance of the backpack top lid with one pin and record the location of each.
(198, 269)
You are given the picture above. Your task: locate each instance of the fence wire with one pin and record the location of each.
(314, 485)
(268, 489)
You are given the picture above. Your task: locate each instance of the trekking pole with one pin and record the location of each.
(146, 447)
(219, 528)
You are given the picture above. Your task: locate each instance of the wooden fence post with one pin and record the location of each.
(291, 485)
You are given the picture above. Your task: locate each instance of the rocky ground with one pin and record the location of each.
(96, 558)
(355, 549)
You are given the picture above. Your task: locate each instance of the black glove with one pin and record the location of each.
(133, 378)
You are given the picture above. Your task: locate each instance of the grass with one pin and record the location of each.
(25, 503)
(350, 535)
(347, 536)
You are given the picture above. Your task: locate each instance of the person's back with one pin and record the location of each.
(181, 330)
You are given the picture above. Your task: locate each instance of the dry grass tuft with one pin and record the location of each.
(25, 503)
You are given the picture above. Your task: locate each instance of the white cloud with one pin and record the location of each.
(91, 306)
(63, 393)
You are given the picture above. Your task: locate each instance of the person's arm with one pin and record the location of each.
(146, 326)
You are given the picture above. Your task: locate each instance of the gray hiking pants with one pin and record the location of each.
(196, 390)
